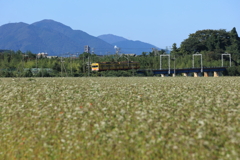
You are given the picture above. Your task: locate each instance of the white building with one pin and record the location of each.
(50, 57)
(43, 55)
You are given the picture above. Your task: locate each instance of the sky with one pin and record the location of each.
(158, 22)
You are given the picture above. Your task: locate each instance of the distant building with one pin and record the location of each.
(87, 49)
(130, 55)
(50, 57)
(43, 55)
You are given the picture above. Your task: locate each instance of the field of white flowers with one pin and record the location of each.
(120, 118)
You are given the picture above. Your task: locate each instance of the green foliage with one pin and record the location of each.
(218, 41)
(28, 73)
(233, 71)
(206, 40)
(210, 43)
(56, 66)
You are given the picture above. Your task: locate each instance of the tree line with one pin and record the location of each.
(210, 43)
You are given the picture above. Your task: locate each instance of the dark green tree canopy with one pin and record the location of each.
(235, 42)
(210, 40)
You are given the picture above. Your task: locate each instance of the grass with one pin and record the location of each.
(120, 118)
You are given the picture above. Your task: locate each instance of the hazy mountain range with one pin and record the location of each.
(127, 46)
(56, 38)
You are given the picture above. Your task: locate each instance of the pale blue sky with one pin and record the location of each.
(158, 22)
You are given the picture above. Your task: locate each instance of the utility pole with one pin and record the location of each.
(37, 62)
(71, 61)
(84, 64)
(88, 66)
(61, 66)
(174, 59)
(167, 55)
(92, 55)
(22, 66)
(127, 59)
(174, 66)
(197, 54)
(226, 54)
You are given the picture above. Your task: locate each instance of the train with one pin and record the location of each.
(125, 65)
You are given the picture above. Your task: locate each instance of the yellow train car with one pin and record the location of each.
(104, 66)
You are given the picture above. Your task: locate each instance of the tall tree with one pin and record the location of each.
(175, 50)
(206, 40)
(234, 48)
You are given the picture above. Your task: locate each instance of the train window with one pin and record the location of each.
(94, 66)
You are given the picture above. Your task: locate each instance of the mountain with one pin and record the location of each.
(127, 46)
(49, 36)
(111, 39)
(56, 39)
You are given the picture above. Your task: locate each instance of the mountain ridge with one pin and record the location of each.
(48, 36)
(56, 38)
(127, 46)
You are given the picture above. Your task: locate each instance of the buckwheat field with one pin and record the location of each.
(120, 118)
